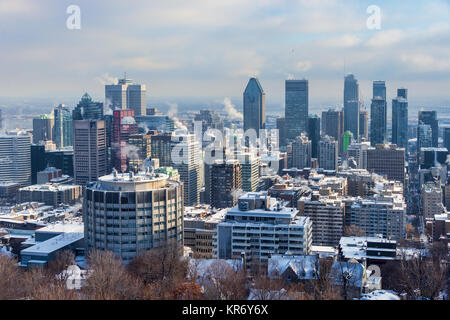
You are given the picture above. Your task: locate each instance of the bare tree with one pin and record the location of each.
(321, 287)
(223, 282)
(109, 279)
(353, 230)
(62, 260)
(11, 285)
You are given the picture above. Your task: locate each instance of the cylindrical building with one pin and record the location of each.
(128, 214)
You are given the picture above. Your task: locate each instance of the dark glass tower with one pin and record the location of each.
(378, 114)
(430, 118)
(400, 119)
(87, 109)
(296, 109)
(254, 106)
(351, 105)
(314, 134)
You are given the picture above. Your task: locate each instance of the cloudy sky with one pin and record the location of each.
(209, 48)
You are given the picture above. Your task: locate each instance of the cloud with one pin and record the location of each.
(386, 38)
(303, 66)
(425, 63)
(344, 41)
(231, 110)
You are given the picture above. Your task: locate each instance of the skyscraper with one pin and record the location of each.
(430, 118)
(88, 109)
(378, 114)
(226, 180)
(387, 160)
(447, 138)
(15, 156)
(300, 156)
(333, 125)
(400, 119)
(314, 134)
(296, 108)
(351, 105)
(126, 95)
(281, 126)
(63, 129)
(254, 106)
(89, 158)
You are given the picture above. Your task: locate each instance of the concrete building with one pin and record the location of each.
(89, 160)
(351, 105)
(431, 197)
(15, 156)
(124, 126)
(358, 151)
(430, 118)
(364, 125)
(260, 226)
(226, 181)
(48, 174)
(327, 215)
(128, 213)
(250, 171)
(140, 148)
(51, 194)
(328, 153)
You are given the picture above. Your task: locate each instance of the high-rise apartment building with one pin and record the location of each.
(296, 108)
(131, 213)
(126, 95)
(89, 158)
(432, 203)
(300, 155)
(15, 156)
(328, 153)
(226, 181)
(250, 171)
(260, 226)
(351, 105)
(254, 106)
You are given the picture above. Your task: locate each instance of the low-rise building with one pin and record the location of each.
(51, 194)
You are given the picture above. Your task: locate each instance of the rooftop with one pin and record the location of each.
(53, 244)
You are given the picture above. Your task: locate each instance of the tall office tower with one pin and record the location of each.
(296, 108)
(254, 106)
(364, 125)
(150, 208)
(256, 217)
(15, 156)
(403, 93)
(161, 149)
(314, 134)
(126, 95)
(63, 129)
(139, 149)
(186, 158)
(124, 126)
(38, 161)
(327, 216)
(281, 126)
(333, 125)
(88, 109)
(301, 152)
(351, 105)
(43, 128)
(388, 160)
(328, 153)
(225, 183)
(61, 159)
(430, 118)
(400, 119)
(378, 114)
(250, 171)
(447, 138)
(89, 150)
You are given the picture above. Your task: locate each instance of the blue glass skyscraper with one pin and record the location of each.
(400, 119)
(296, 108)
(378, 114)
(351, 105)
(254, 106)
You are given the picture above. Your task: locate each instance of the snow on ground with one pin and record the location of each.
(380, 295)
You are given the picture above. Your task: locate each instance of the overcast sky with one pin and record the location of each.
(209, 48)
